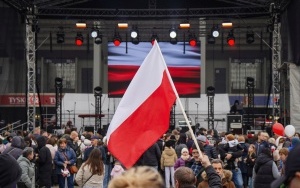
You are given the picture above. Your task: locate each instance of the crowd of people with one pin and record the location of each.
(43, 159)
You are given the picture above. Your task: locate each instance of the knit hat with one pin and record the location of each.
(10, 171)
(292, 165)
(184, 150)
(201, 138)
(230, 137)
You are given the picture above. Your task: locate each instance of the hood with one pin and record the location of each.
(118, 168)
(41, 141)
(227, 175)
(262, 159)
(23, 159)
(18, 142)
(169, 151)
(295, 141)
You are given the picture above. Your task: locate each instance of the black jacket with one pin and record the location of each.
(214, 179)
(151, 157)
(263, 170)
(224, 149)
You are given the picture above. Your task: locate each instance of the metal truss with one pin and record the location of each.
(276, 64)
(210, 115)
(97, 112)
(32, 97)
(153, 13)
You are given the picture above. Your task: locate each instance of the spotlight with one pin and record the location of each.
(192, 40)
(58, 82)
(230, 38)
(123, 25)
(211, 39)
(97, 91)
(98, 39)
(184, 25)
(215, 31)
(153, 38)
(94, 33)
(117, 39)
(250, 37)
(79, 39)
(210, 91)
(173, 33)
(173, 40)
(81, 24)
(60, 37)
(134, 33)
(227, 24)
(250, 82)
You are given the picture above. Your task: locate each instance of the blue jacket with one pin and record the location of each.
(60, 158)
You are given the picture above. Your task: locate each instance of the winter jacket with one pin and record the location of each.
(225, 149)
(59, 158)
(250, 164)
(181, 162)
(263, 170)
(150, 157)
(168, 157)
(210, 151)
(16, 147)
(44, 162)
(116, 171)
(226, 180)
(28, 172)
(83, 175)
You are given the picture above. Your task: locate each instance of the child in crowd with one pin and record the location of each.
(167, 162)
(234, 146)
(117, 170)
(182, 159)
(283, 154)
(250, 161)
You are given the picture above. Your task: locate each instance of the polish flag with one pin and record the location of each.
(143, 114)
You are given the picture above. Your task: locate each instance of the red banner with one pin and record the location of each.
(19, 100)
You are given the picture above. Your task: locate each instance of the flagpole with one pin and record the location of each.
(181, 106)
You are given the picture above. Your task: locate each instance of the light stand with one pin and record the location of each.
(196, 121)
(250, 87)
(98, 95)
(58, 97)
(210, 92)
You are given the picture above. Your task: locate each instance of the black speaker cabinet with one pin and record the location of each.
(89, 129)
(235, 123)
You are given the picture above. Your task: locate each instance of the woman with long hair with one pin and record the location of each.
(91, 172)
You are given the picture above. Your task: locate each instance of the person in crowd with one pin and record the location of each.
(283, 153)
(294, 142)
(36, 132)
(137, 177)
(95, 144)
(16, 147)
(202, 131)
(242, 160)
(91, 172)
(28, 170)
(64, 158)
(72, 141)
(151, 157)
(265, 169)
(236, 108)
(225, 175)
(107, 163)
(291, 177)
(167, 162)
(261, 142)
(2, 146)
(44, 162)
(117, 170)
(210, 137)
(209, 150)
(230, 154)
(250, 162)
(181, 143)
(10, 171)
(195, 162)
(182, 159)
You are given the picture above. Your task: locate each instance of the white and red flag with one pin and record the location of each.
(143, 114)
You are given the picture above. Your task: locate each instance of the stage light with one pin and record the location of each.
(153, 38)
(79, 39)
(250, 37)
(123, 25)
(215, 31)
(173, 33)
(210, 91)
(98, 39)
(60, 37)
(81, 24)
(134, 33)
(192, 40)
(227, 24)
(184, 25)
(250, 82)
(97, 91)
(230, 38)
(117, 39)
(94, 33)
(211, 39)
(173, 40)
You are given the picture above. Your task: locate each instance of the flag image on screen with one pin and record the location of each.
(184, 66)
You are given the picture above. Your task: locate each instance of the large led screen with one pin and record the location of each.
(183, 62)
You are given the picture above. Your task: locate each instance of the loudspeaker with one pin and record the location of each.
(235, 124)
(89, 129)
